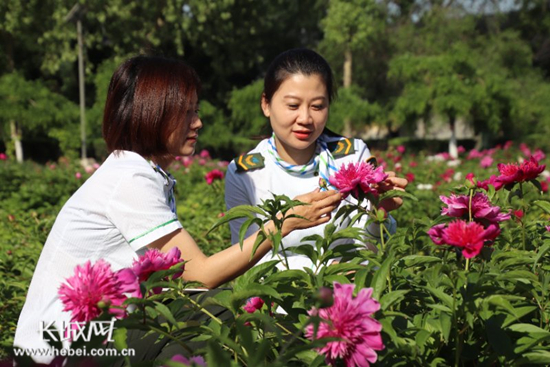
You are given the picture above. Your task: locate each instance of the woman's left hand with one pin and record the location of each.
(392, 183)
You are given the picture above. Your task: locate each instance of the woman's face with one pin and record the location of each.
(298, 112)
(183, 139)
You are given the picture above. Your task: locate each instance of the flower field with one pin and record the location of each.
(464, 281)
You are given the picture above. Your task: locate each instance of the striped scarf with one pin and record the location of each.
(322, 161)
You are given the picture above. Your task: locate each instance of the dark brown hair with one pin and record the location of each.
(297, 61)
(148, 99)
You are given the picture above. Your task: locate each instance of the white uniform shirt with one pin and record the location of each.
(120, 209)
(251, 187)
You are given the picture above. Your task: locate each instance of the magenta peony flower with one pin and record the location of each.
(461, 149)
(78, 175)
(531, 169)
(509, 173)
(253, 304)
(204, 154)
(154, 260)
(350, 320)
(470, 236)
(90, 288)
(457, 206)
(548, 228)
(544, 186)
(3, 156)
(410, 177)
(401, 149)
(493, 180)
(357, 178)
(193, 361)
(507, 145)
(213, 175)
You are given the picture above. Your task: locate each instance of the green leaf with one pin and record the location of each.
(542, 251)
(241, 211)
(544, 205)
(501, 302)
(416, 260)
(535, 357)
(442, 296)
(499, 340)
(287, 276)
(445, 320)
(165, 312)
(216, 356)
(379, 279)
(254, 274)
(389, 299)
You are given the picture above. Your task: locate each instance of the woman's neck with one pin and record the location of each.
(163, 162)
(294, 156)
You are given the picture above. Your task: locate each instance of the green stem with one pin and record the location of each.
(202, 309)
(169, 336)
(470, 204)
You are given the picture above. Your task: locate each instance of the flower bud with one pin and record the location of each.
(471, 182)
(325, 297)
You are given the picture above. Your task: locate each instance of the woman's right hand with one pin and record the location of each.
(322, 203)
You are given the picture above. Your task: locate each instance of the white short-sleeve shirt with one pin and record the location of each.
(251, 187)
(116, 213)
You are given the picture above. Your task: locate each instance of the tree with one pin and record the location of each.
(349, 26)
(446, 84)
(26, 105)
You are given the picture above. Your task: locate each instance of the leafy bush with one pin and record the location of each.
(438, 305)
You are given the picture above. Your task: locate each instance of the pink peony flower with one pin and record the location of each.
(544, 186)
(461, 149)
(548, 228)
(78, 175)
(349, 319)
(539, 155)
(202, 162)
(474, 153)
(524, 149)
(3, 156)
(152, 261)
(186, 161)
(253, 304)
(357, 178)
(436, 233)
(193, 361)
(401, 149)
(470, 236)
(482, 210)
(508, 145)
(204, 154)
(213, 175)
(531, 169)
(486, 162)
(413, 164)
(91, 288)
